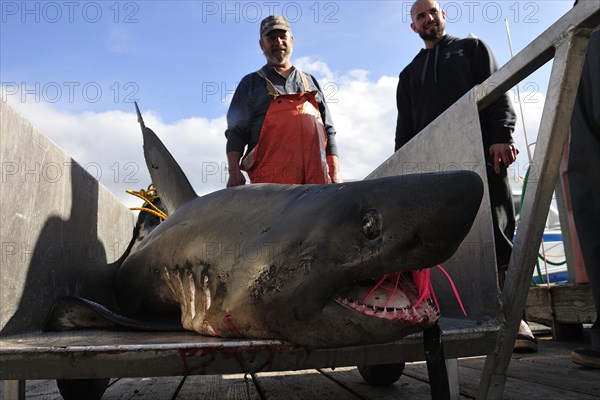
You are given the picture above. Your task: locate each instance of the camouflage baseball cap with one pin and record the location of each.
(273, 22)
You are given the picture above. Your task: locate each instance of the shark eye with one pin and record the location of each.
(371, 224)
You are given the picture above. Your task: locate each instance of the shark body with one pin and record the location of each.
(295, 262)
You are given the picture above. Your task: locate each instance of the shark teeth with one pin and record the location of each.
(393, 296)
(412, 315)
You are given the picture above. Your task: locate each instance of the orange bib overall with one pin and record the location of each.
(291, 145)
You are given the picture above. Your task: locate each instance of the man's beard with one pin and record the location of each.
(438, 33)
(279, 58)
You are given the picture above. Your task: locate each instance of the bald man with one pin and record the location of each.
(440, 74)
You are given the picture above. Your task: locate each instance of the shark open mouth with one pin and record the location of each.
(402, 296)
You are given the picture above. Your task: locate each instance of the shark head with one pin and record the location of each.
(296, 262)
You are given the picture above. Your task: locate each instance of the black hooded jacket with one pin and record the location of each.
(437, 77)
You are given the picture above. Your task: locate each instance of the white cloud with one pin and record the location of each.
(314, 67)
(109, 146)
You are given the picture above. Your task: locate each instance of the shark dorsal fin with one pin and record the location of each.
(167, 176)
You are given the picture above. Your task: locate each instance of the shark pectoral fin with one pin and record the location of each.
(70, 313)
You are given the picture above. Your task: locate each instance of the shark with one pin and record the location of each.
(297, 263)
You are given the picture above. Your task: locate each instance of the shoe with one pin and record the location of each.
(587, 357)
(526, 342)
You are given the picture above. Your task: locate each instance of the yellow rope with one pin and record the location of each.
(148, 196)
(149, 210)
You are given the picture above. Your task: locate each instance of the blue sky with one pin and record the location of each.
(74, 68)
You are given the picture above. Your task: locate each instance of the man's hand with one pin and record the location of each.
(502, 155)
(236, 178)
(334, 169)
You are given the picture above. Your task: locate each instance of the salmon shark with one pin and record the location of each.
(294, 262)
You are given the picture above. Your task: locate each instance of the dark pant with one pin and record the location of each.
(584, 170)
(503, 215)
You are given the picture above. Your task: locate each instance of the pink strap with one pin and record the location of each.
(422, 280)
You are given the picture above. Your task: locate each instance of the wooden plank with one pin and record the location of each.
(42, 390)
(406, 387)
(550, 371)
(516, 388)
(552, 354)
(534, 369)
(160, 388)
(219, 387)
(300, 385)
(569, 303)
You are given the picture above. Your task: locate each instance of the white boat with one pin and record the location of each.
(551, 263)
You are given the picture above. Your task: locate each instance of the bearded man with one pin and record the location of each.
(440, 74)
(279, 121)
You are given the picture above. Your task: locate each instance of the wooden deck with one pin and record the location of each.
(547, 374)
